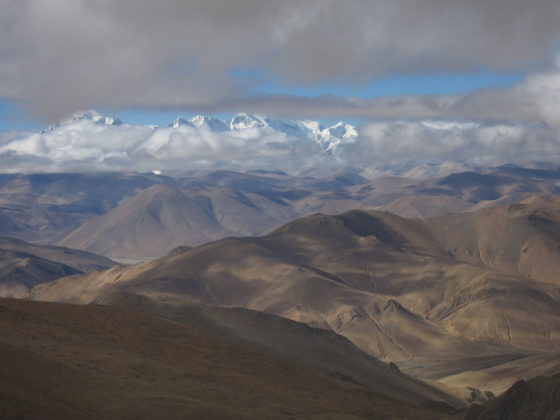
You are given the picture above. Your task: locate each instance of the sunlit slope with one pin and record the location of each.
(446, 288)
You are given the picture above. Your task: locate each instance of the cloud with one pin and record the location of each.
(534, 99)
(57, 56)
(487, 144)
(90, 142)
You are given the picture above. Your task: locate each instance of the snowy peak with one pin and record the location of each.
(85, 117)
(245, 121)
(200, 122)
(92, 116)
(179, 122)
(312, 126)
(329, 138)
(210, 123)
(341, 130)
(332, 137)
(291, 128)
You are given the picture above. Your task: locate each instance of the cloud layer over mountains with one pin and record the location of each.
(57, 56)
(90, 142)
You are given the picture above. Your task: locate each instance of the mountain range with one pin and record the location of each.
(133, 216)
(445, 298)
(327, 137)
(90, 142)
(422, 296)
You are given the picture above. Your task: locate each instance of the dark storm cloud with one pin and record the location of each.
(57, 56)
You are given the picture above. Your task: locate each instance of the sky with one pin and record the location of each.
(492, 63)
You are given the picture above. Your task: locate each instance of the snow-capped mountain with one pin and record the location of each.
(340, 131)
(241, 125)
(94, 117)
(89, 141)
(292, 129)
(201, 122)
(332, 137)
(85, 118)
(209, 123)
(243, 121)
(328, 138)
(181, 122)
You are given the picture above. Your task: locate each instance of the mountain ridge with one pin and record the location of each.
(425, 294)
(24, 265)
(327, 137)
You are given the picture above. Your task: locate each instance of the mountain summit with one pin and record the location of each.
(328, 138)
(86, 117)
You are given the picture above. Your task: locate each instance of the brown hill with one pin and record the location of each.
(439, 296)
(163, 217)
(319, 350)
(67, 361)
(467, 191)
(226, 203)
(23, 265)
(43, 208)
(116, 214)
(537, 399)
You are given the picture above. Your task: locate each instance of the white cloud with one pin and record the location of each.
(484, 144)
(92, 142)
